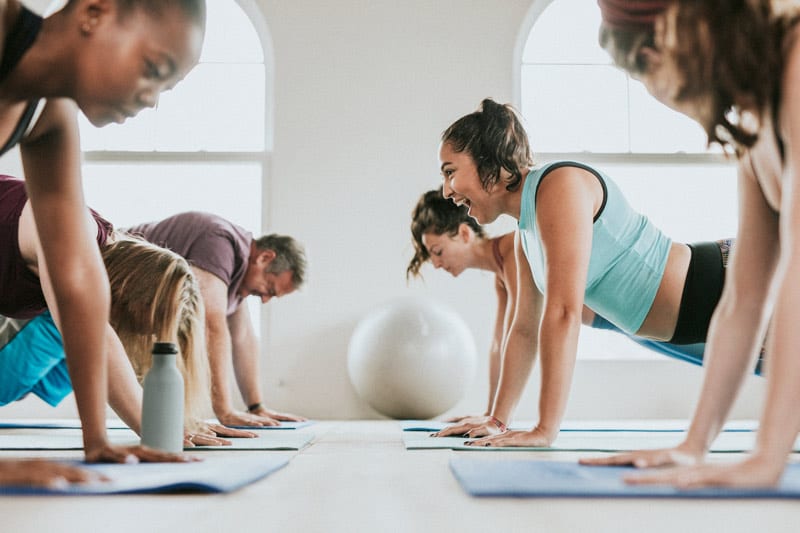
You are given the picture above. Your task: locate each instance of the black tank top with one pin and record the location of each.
(18, 41)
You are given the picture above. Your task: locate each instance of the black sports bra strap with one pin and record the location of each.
(19, 39)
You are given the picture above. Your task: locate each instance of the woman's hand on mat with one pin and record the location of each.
(133, 454)
(42, 473)
(533, 438)
(680, 455)
(275, 415)
(240, 418)
(755, 471)
(205, 434)
(477, 426)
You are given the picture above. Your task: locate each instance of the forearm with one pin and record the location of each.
(780, 420)
(558, 346)
(518, 360)
(219, 353)
(124, 391)
(494, 376)
(83, 333)
(732, 343)
(246, 370)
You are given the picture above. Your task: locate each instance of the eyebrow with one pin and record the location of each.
(444, 165)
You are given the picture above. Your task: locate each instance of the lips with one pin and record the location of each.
(123, 114)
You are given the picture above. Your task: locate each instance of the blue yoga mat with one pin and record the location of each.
(547, 479)
(284, 425)
(54, 423)
(74, 423)
(209, 476)
(627, 426)
(69, 439)
(589, 441)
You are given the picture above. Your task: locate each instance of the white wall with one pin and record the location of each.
(363, 90)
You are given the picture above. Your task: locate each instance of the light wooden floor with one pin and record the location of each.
(356, 476)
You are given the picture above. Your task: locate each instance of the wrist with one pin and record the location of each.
(499, 423)
(253, 407)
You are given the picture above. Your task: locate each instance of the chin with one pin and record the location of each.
(99, 121)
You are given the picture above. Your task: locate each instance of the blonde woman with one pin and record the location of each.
(155, 297)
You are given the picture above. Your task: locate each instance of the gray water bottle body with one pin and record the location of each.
(162, 405)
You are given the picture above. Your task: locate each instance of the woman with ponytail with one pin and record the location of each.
(734, 67)
(583, 245)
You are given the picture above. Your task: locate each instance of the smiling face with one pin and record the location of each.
(128, 60)
(265, 285)
(452, 253)
(462, 185)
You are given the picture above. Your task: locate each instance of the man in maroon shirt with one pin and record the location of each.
(230, 265)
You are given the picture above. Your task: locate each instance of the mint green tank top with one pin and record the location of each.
(628, 257)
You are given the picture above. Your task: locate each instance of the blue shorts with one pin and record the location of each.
(691, 353)
(33, 361)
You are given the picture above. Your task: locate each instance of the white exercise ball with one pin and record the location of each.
(411, 358)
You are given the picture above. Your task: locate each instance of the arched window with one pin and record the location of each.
(577, 105)
(205, 147)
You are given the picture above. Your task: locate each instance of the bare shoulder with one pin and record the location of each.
(568, 176)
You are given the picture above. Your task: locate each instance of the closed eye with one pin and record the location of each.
(151, 70)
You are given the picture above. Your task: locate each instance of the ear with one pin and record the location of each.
(651, 58)
(91, 12)
(265, 257)
(465, 233)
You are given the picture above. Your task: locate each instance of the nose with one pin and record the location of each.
(447, 191)
(149, 97)
(436, 262)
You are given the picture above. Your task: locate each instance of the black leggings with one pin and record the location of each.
(701, 293)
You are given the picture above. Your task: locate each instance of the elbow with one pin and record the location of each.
(82, 287)
(563, 316)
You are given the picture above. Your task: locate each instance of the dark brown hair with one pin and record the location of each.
(436, 214)
(740, 67)
(496, 140)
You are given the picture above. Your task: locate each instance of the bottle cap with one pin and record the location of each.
(164, 348)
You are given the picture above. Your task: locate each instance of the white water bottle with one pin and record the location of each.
(162, 406)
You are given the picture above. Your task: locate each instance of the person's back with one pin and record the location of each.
(206, 241)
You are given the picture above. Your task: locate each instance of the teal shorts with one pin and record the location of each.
(33, 361)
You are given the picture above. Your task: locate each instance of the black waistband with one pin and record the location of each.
(701, 293)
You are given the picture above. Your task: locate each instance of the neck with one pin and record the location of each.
(46, 70)
(513, 199)
(483, 256)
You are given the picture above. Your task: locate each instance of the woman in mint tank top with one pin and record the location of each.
(444, 235)
(742, 88)
(584, 245)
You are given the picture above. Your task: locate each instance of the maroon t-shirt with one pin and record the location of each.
(206, 241)
(20, 289)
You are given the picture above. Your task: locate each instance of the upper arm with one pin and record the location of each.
(528, 299)
(215, 296)
(566, 202)
(51, 161)
(51, 153)
(790, 129)
(754, 256)
(30, 248)
(501, 318)
(239, 323)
